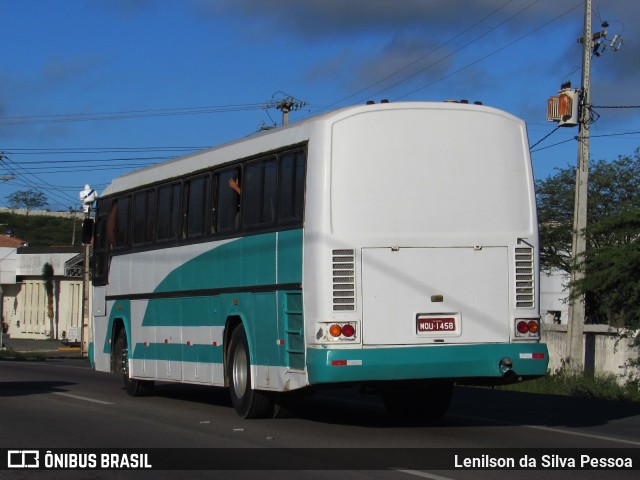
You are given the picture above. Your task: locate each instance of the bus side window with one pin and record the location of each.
(112, 225)
(122, 237)
(228, 210)
(213, 205)
(150, 227)
(259, 194)
(143, 210)
(118, 224)
(196, 195)
(100, 254)
(168, 212)
(291, 194)
(270, 187)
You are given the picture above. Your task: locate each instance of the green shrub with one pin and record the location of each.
(564, 382)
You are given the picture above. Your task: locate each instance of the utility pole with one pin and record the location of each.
(286, 105)
(573, 107)
(575, 327)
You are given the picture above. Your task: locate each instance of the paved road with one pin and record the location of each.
(64, 404)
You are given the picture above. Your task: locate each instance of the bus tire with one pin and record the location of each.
(135, 388)
(248, 403)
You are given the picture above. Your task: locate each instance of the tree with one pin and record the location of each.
(47, 276)
(614, 188)
(612, 280)
(27, 199)
(612, 262)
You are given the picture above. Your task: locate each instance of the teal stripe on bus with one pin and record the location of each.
(247, 261)
(243, 263)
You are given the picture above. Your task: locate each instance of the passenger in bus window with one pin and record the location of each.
(235, 185)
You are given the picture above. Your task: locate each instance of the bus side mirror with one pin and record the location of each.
(87, 231)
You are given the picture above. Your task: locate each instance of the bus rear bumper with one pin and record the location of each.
(485, 363)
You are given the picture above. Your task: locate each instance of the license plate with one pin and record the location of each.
(436, 324)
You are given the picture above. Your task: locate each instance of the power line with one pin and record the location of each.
(472, 42)
(95, 160)
(414, 62)
(553, 145)
(87, 150)
(615, 106)
(545, 137)
(129, 114)
(614, 134)
(575, 138)
(64, 198)
(492, 53)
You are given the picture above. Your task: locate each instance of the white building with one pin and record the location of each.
(27, 310)
(554, 292)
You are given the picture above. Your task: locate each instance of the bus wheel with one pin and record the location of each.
(249, 403)
(425, 401)
(135, 388)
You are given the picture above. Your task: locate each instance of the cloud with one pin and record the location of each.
(61, 70)
(405, 60)
(415, 42)
(125, 8)
(26, 93)
(315, 19)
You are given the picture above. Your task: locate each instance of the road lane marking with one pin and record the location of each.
(580, 434)
(86, 399)
(417, 473)
(551, 429)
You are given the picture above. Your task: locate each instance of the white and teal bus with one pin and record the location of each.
(393, 246)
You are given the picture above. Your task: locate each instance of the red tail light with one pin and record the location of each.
(527, 328)
(348, 330)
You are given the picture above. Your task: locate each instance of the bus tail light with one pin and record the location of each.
(340, 331)
(527, 328)
(335, 330)
(348, 330)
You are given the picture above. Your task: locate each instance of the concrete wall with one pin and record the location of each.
(553, 297)
(606, 351)
(8, 264)
(25, 309)
(26, 313)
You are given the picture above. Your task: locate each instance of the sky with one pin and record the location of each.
(91, 89)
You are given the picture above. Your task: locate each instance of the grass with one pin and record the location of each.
(562, 382)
